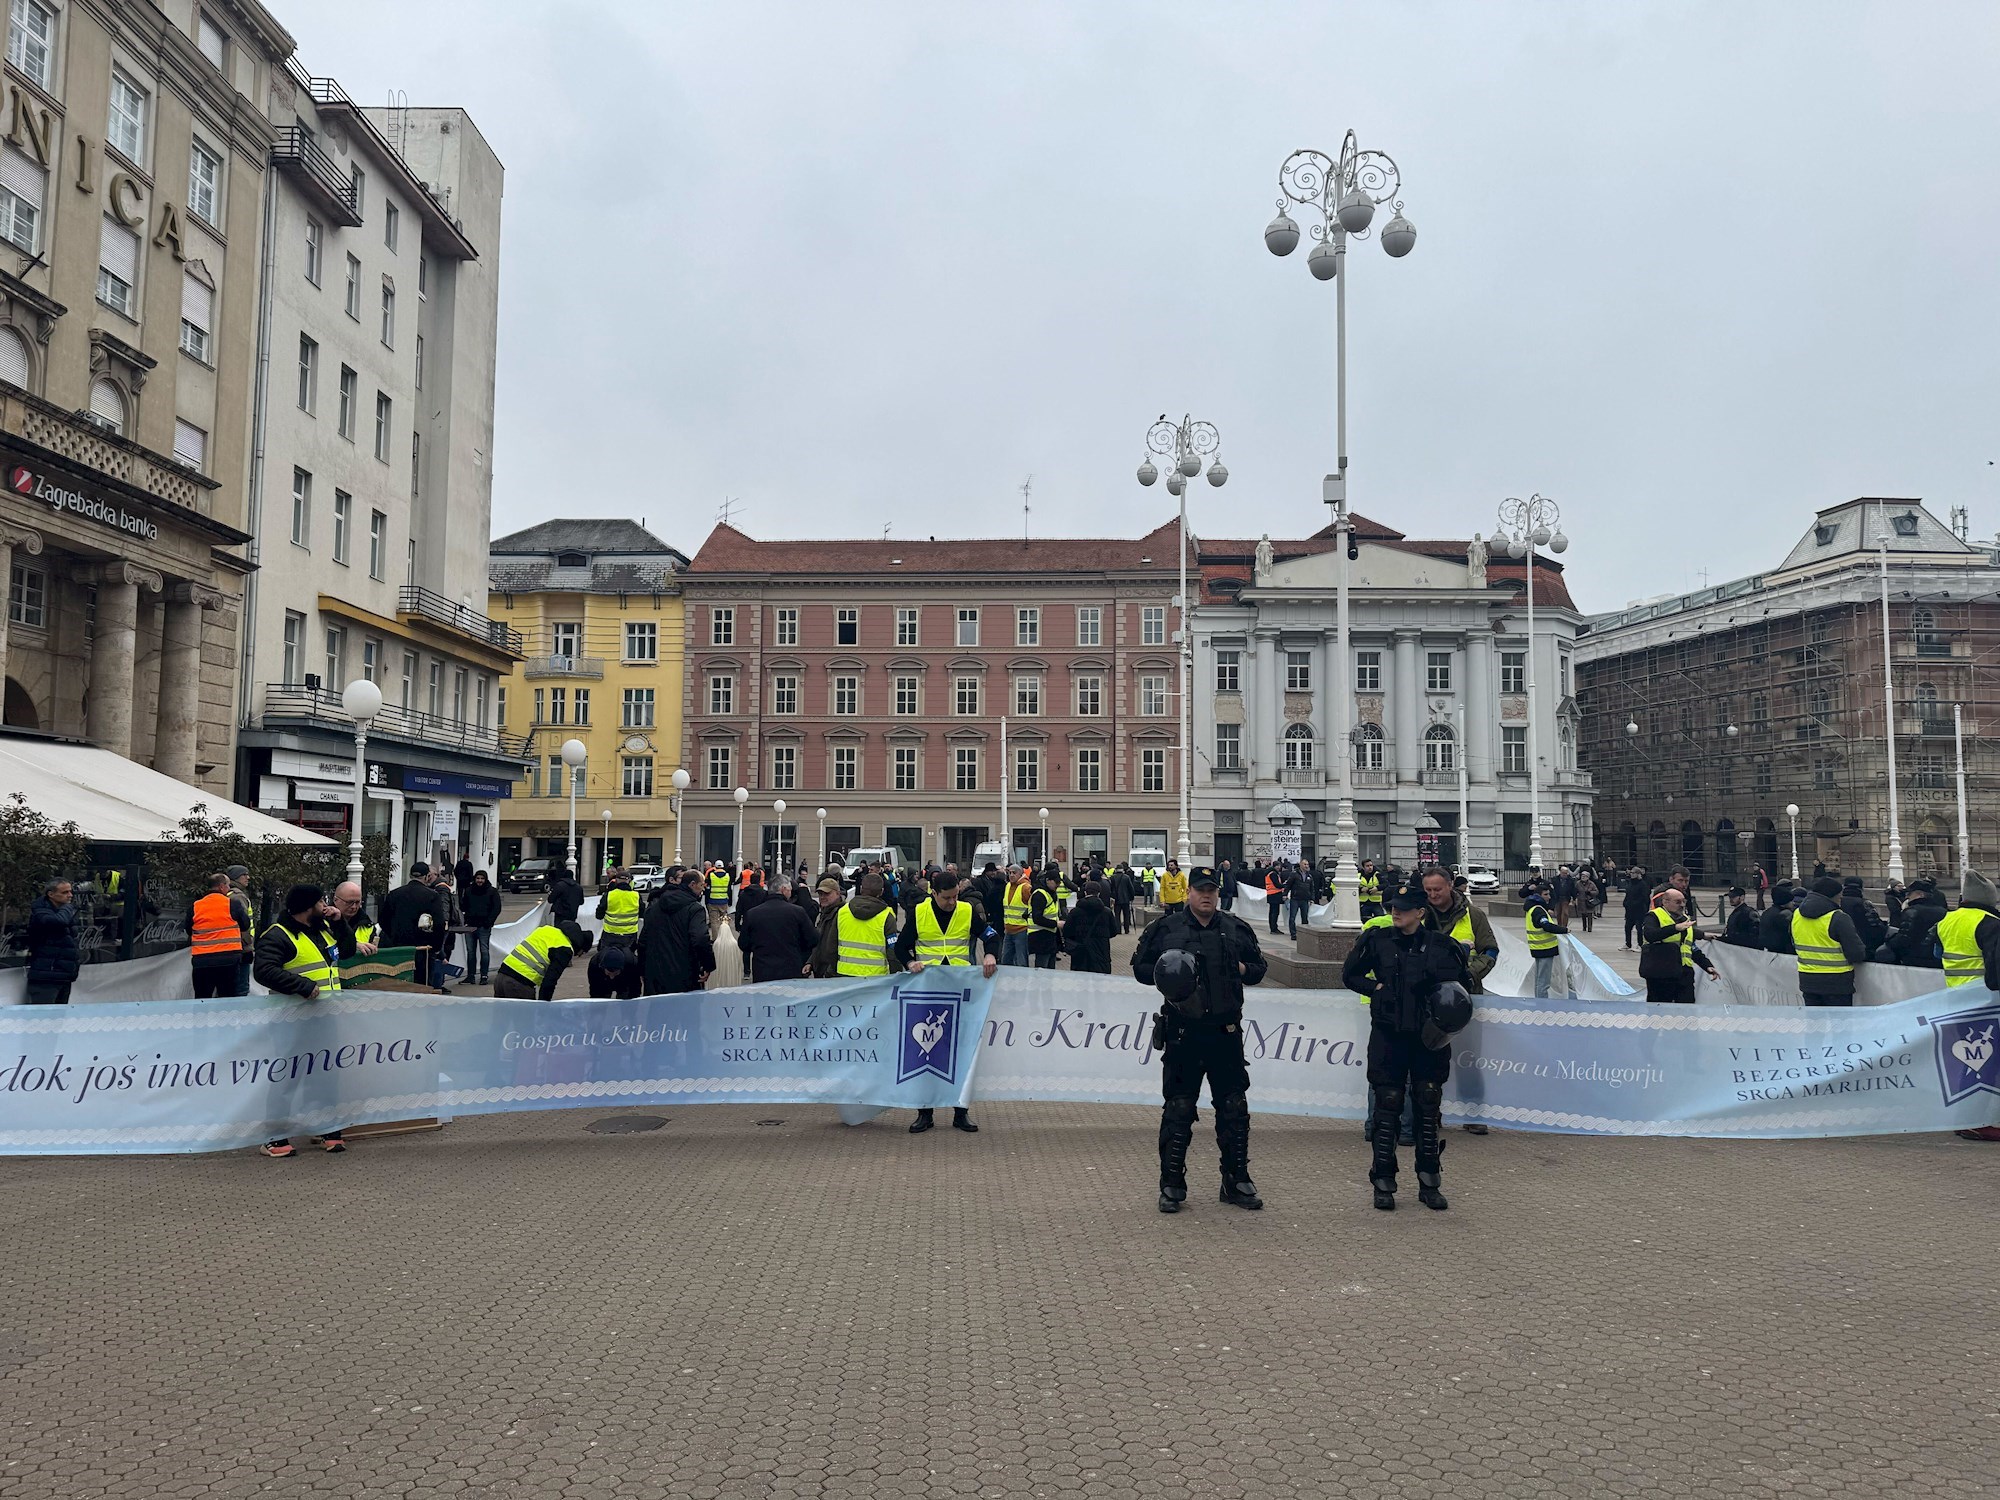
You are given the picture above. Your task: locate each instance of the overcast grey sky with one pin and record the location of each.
(1691, 269)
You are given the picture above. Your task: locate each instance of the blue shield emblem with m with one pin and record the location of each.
(929, 1028)
(1968, 1053)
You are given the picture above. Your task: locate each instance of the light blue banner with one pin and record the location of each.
(197, 1076)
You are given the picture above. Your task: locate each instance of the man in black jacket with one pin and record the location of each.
(1861, 912)
(1741, 931)
(411, 916)
(673, 941)
(54, 956)
(1638, 897)
(1044, 920)
(1774, 927)
(1203, 1037)
(1087, 932)
(565, 896)
(777, 937)
(1914, 944)
(1124, 891)
(1398, 970)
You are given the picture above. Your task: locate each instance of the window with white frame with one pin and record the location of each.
(1298, 747)
(1089, 625)
(968, 627)
(847, 695)
(1437, 672)
(635, 709)
(965, 696)
(371, 663)
(315, 247)
(720, 760)
(118, 267)
(378, 543)
(27, 596)
(1368, 671)
(566, 641)
(458, 681)
(846, 763)
(15, 366)
(302, 495)
(1229, 747)
(31, 41)
(1153, 696)
(786, 631)
(343, 519)
(336, 658)
(635, 775)
(388, 313)
(1152, 769)
(965, 768)
(722, 693)
(785, 694)
(190, 445)
(906, 626)
(384, 416)
(392, 219)
(349, 396)
(23, 190)
(1027, 626)
(1089, 769)
(1513, 671)
(558, 705)
(906, 695)
(197, 316)
(308, 373)
(642, 641)
(1298, 671)
(125, 131)
(409, 699)
(1368, 747)
(1153, 625)
(1027, 696)
(1027, 769)
(784, 768)
(1514, 749)
(1440, 748)
(295, 646)
(204, 184)
(107, 405)
(354, 287)
(721, 625)
(1229, 671)
(1089, 697)
(904, 763)
(847, 627)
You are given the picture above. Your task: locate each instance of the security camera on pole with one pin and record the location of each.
(1185, 445)
(1343, 193)
(1526, 525)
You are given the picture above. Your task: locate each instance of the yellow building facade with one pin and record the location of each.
(598, 606)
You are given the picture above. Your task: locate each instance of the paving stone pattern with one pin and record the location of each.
(760, 1302)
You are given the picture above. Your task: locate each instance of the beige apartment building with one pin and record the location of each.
(131, 175)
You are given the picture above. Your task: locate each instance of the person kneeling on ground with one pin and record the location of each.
(531, 970)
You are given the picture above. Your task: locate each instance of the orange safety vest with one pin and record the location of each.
(1271, 886)
(215, 929)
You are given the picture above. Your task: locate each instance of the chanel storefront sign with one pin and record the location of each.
(25, 481)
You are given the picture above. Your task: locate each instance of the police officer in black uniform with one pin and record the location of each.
(1413, 979)
(1201, 957)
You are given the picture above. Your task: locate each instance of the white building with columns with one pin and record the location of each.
(1438, 673)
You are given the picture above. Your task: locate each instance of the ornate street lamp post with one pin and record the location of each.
(1343, 193)
(1524, 526)
(1184, 445)
(363, 700)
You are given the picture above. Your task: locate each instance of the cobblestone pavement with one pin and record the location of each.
(757, 1301)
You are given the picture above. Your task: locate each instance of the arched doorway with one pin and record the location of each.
(1693, 853)
(1725, 850)
(19, 709)
(1628, 844)
(1764, 845)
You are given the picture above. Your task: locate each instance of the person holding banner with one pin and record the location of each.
(947, 931)
(1414, 979)
(1828, 945)
(1667, 953)
(296, 956)
(1968, 938)
(1201, 957)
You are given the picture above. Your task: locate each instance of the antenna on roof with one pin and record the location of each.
(1027, 488)
(725, 514)
(1961, 523)
(885, 531)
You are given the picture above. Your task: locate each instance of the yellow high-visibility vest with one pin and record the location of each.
(621, 912)
(1685, 940)
(1016, 913)
(530, 958)
(718, 885)
(944, 943)
(311, 962)
(1818, 951)
(1371, 888)
(1538, 940)
(864, 943)
(1958, 935)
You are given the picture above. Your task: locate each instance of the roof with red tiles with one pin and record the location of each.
(728, 550)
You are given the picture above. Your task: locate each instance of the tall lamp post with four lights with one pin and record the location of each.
(1184, 445)
(1524, 526)
(1342, 193)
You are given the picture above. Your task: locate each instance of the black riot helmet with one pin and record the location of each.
(1446, 1014)
(1176, 975)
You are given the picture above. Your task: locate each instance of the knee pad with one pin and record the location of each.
(1389, 1100)
(1179, 1110)
(1234, 1106)
(1430, 1097)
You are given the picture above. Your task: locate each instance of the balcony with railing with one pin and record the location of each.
(298, 154)
(288, 702)
(1306, 776)
(424, 604)
(591, 667)
(1372, 778)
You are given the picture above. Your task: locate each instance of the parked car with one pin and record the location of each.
(1482, 882)
(856, 858)
(646, 877)
(528, 875)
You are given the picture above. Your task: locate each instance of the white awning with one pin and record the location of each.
(118, 801)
